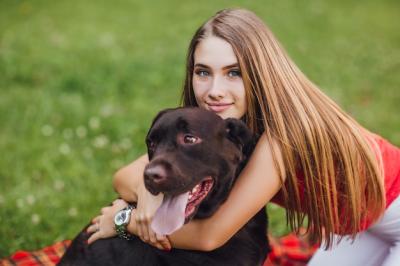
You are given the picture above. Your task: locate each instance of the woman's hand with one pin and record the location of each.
(103, 225)
(156, 240)
(146, 208)
(129, 184)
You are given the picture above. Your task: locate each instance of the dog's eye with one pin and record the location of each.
(189, 139)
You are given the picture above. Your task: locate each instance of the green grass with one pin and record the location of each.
(81, 80)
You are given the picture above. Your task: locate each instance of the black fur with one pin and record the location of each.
(223, 149)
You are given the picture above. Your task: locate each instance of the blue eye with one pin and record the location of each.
(234, 73)
(202, 73)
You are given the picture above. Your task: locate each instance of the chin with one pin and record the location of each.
(228, 114)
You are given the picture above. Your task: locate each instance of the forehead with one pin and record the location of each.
(215, 52)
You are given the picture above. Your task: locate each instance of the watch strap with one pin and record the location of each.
(123, 233)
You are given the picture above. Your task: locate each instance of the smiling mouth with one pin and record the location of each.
(219, 107)
(197, 195)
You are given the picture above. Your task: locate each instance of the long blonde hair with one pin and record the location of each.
(340, 172)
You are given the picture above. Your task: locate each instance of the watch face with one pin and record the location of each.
(122, 217)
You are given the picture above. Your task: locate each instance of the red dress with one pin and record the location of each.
(391, 163)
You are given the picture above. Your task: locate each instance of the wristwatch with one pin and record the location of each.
(121, 220)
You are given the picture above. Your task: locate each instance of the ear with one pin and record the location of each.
(161, 113)
(238, 133)
(158, 116)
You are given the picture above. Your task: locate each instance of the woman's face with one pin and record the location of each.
(217, 80)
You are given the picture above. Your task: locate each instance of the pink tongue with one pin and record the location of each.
(170, 216)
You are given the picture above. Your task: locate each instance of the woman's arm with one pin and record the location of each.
(256, 185)
(128, 179)
(129, 184)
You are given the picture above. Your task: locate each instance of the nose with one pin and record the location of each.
(217, 89)
(156, 174)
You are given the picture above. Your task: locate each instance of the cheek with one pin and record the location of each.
(240, 93)
(244, 102)
(200, 90)
(240, 96)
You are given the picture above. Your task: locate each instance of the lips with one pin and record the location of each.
(218, 107)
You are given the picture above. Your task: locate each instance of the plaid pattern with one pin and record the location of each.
(47, 256)
(289, 250)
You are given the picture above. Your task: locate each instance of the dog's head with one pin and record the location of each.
(196, 153)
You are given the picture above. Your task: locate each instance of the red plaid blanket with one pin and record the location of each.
(289, 250)
(47, 256)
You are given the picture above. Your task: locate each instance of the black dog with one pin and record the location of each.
(195, 152)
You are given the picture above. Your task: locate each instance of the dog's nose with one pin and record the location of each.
(156, 173)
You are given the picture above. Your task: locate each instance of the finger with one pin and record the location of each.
(166, 244)
(146, 227)
(159, 246)
(139, 229)
(92, 228)
(164, 241)
(149, 232)
(160, 237)
(93, 238)
(143, 240)
(145, 232)
(152, 235)
(96, 219)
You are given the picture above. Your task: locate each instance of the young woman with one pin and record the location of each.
(311, 157)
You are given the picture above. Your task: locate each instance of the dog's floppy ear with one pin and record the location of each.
(238, 132)
(159, 115)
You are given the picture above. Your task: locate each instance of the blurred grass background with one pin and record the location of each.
(81, 80)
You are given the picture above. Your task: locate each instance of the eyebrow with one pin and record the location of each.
(225, 67)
